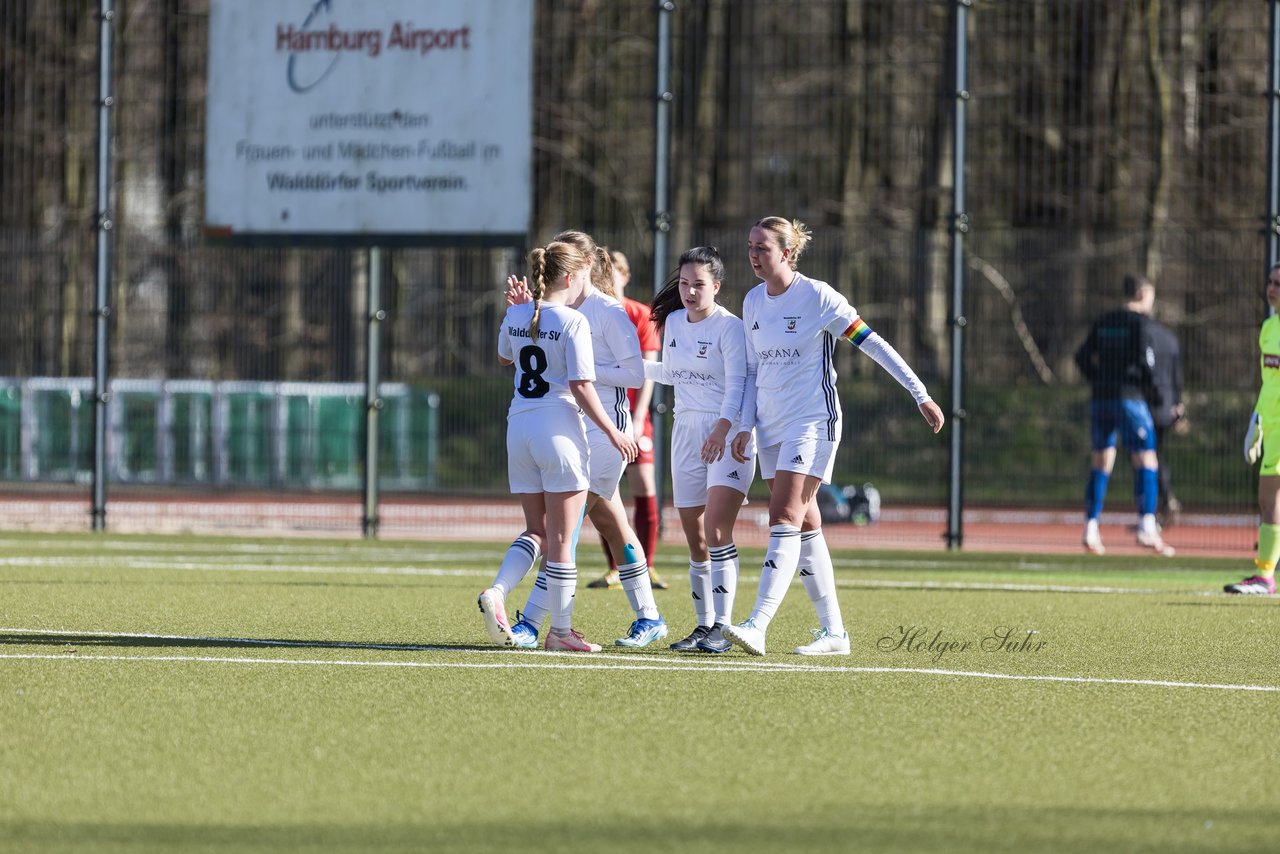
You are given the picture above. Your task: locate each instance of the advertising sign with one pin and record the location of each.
(399, 120)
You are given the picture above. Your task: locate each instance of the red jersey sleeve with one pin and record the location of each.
(645, 328)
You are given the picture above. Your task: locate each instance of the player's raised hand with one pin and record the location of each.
(933, 415)
(518, 290)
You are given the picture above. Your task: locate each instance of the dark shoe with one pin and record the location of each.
(715, 642)
(690, 643)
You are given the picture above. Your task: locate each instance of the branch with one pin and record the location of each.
(1002, 286)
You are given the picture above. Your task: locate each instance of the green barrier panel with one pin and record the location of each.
(248, 437)
(191, 436)
(10, 432)
(135, 452)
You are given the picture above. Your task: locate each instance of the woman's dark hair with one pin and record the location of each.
(667, 300)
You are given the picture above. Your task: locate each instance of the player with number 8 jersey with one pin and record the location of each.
(547, 450)
(618, 366)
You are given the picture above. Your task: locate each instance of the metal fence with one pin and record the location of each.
(1100, 138)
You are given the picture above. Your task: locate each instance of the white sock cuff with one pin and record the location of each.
(529, 545)
(632, 571)
(723, 553)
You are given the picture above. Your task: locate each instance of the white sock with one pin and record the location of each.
(535, 609)
(635, 583)
(776, 573)
(819, 579)
(562, 583)
(700, 585)
(519, 559)
(724, 581)
(1147, 524)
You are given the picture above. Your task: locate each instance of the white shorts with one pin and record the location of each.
(546, 451)
(607, 465)
(810, 456)
(690, 476)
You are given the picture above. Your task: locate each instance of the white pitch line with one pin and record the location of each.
(628, 657)
(515, 662)
(196, 566)
(157, 564)
(154, 564)
(723, 667)
(1089, 680)
(1000, 586)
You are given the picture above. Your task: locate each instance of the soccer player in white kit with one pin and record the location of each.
(547, 450)
(791, 323)
(618, 366)
(704, 358)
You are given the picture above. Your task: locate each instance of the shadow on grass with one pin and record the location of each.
(142, 641)
(1236, 602)
(953, 828)
(198, 582)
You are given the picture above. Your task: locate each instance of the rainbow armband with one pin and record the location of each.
(857, 333)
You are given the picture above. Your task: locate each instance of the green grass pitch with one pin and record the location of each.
(164, 694)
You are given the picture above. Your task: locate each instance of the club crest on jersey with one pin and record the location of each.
(702, 349)
(791, 323)
(1270, 360)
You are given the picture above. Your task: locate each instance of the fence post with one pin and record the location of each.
(102, 276)
(1273, 139)
(959, 228)
(373, 402)
(661, 227)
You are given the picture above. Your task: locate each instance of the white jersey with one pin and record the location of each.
(618, 363)
(563, 353)
(791, 340)
(706, 362)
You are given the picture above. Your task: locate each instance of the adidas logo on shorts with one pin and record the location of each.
(797, 459)
(755, 327)
(733, 475)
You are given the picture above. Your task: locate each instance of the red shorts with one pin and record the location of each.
(645, 441)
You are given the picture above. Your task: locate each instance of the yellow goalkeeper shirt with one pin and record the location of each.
(1269, 396)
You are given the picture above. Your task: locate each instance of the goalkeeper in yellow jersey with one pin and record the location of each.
(1266, 420)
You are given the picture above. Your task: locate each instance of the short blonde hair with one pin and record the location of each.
(790, 233)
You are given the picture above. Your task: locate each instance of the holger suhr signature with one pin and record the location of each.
(936, 643)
